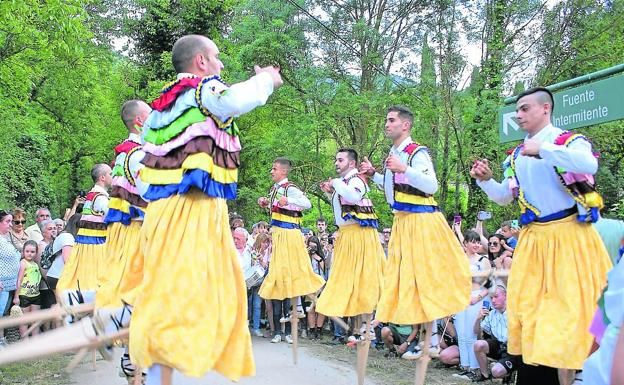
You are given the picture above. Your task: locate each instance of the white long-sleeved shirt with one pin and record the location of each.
(135, 166)
(352, 193)
(537, 177)
(225, 102)
(420, 172)
(295, 195)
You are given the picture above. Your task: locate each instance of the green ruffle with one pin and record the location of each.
(163, 135)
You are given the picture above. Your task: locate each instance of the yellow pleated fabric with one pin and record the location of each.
(427, 276)
(558, 273)
(132, 275)
(83, 268)
(290, 270)
(191, 309)
(123, 243)
(356, 278)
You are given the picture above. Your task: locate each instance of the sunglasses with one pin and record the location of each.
(494, 243)
(19, 222)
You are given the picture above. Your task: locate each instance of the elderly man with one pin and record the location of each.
(494, 323)
(34, 232)
(191, 311)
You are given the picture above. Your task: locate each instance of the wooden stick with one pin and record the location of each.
(423, 361)
(94, 359)
(76, 360)
(294, 323)
(31, 328)
(56, 312)
(363, 348)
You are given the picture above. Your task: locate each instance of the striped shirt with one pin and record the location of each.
(495, 324)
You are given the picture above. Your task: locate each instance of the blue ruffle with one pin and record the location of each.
(86, 240)
(362, 222)
(193, 178)
(284, 225)
(125, 218)
(414, 208)
(527, 217)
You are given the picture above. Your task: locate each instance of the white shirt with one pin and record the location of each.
(33, 232)
(420, 172)
(537, 177)
(295, 195)
(350, 193)
(495, 324)
(244, 258)
(100, 204)
(135, 166)
(64, 239)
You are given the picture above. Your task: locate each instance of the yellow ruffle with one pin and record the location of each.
(123, 248)
(201, 161)
(414, 199)
(191, 309)
(83, 267)
(290, 271)
(119, 205)
(558, 272)
(427, 276)
(286, 218)
(356, 279)
(92, 233)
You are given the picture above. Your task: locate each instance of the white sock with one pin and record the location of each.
(435, 338)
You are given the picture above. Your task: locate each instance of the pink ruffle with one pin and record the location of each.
(222, 139)
(123, 183)
(92, 218)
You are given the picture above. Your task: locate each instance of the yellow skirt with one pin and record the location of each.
(290, 270)
(356, 278)
(123, 246)
(558, 272)
(82, 269)
(427, 276)
(191, 309)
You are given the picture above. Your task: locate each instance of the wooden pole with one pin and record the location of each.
(363, 347)
(294, 323)
(423, 361)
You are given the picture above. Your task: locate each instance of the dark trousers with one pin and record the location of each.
(280, 308)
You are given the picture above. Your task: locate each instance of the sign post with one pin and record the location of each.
(585, 105)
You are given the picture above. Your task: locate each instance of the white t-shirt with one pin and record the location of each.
(64, 239)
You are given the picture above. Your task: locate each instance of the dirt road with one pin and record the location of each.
(274, 366)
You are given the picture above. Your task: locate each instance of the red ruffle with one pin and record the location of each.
(170, 94)
(125, 146)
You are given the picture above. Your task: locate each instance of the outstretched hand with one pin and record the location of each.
(274, 72)
(366, 167)
(481, 170)
(263, 202)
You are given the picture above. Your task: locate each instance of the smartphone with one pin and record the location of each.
(82, 193)
(457, 219)
(486, 305)
(484, 215)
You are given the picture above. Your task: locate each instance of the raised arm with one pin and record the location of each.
(497, 192)
(298, 198)
(577, 157)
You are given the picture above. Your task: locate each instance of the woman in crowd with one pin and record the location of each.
(44, 258)
(317, 258)
(9, 267)
(497, 254)
(464, 321)
(16, 234)
(28, 295)
(61, 250)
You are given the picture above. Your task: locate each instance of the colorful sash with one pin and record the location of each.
(287, 217)
(92, 229)
(361, 211)
(126, 203)
(406, 197)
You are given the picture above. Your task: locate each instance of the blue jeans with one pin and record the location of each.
(254, 307)
(4, 299)
(339, 332)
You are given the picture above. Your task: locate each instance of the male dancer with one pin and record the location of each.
(356, 278)
(560, 263)
(290, 271)
(427, 275)
(190, 313)
(124, 219)
(86, 264)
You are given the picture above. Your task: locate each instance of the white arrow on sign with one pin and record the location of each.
(509, 120)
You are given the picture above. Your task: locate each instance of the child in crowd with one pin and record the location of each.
(28, 280)
(317, 258)
(510, 230)
(259, 255)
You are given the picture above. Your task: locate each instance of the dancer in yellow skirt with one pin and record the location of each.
(86, 264)
(290, 270)
(190, 311)
(560, 264)
(356, 278)
(427, 275)
(124, 271)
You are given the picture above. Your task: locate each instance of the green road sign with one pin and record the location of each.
(597, 102)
